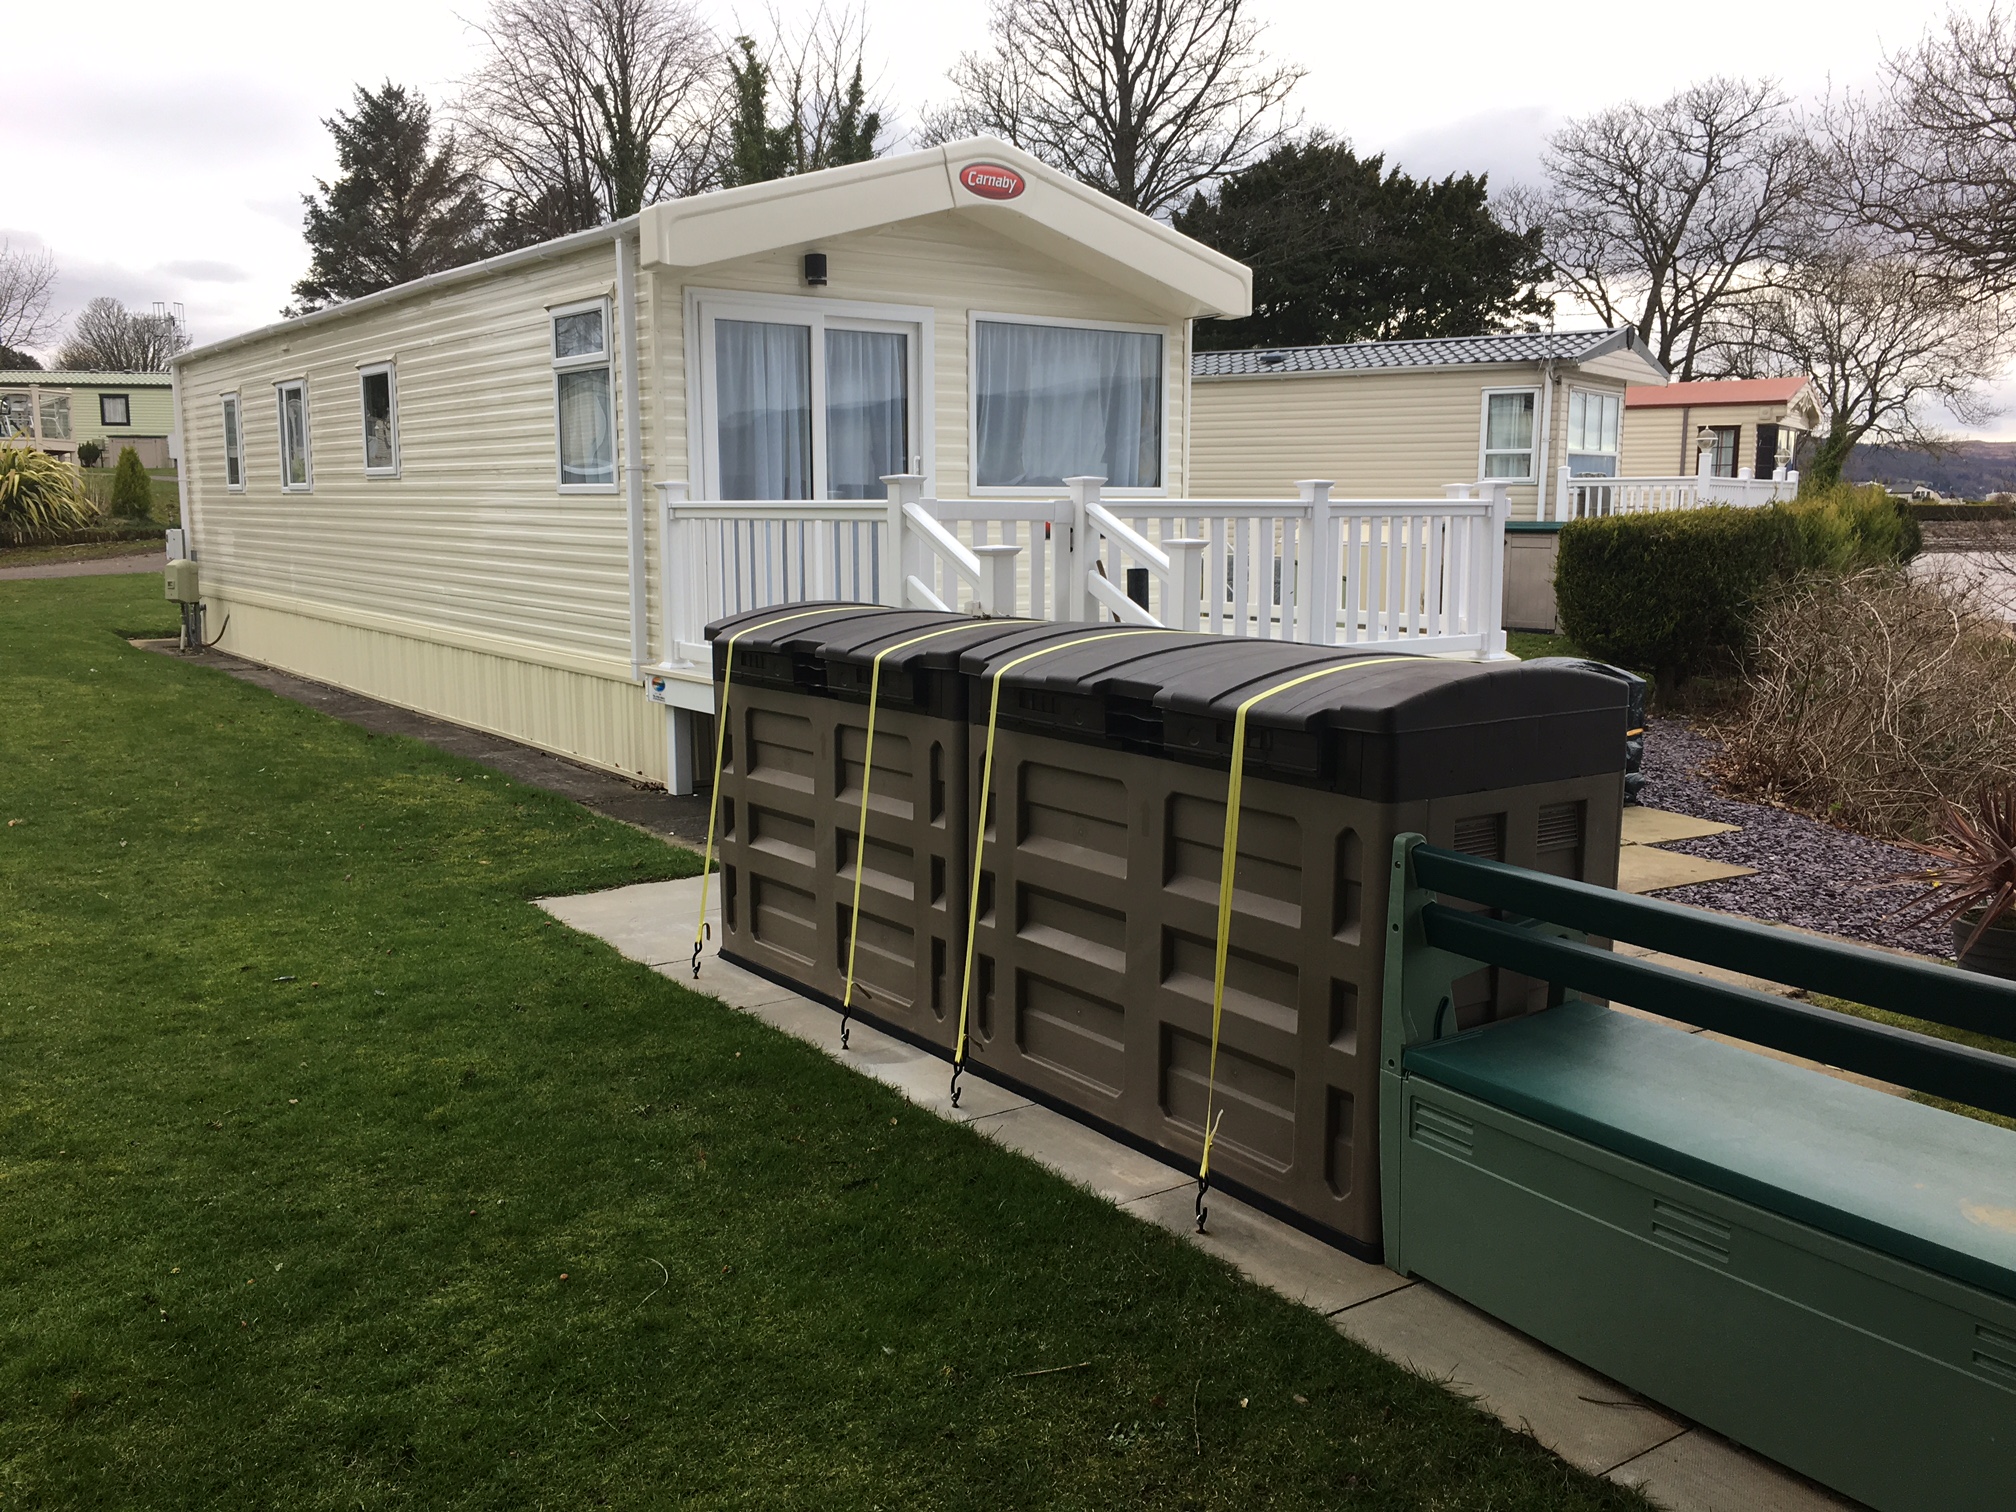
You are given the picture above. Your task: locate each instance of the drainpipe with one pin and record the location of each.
(633, 452)
(1546, 435)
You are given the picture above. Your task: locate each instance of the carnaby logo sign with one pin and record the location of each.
(992, 181)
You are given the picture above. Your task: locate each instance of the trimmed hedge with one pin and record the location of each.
(1669, 593)
(1672, 593)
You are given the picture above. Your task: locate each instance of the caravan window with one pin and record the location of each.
(584, 398)
(115, 409)
(381, 421)
(1508, 434)
(296, 473)
(1595, 421)
(234, 446)
(1052, 402)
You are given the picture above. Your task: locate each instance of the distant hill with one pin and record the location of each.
(1964, 470)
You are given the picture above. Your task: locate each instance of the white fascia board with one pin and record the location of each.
(1054, 214)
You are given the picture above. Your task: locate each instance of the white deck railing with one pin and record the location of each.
(1419, 574)
(1583, 498)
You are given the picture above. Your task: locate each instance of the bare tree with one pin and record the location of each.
(1931, 156)
(109, 338)
(1885, 335)
(27, 280)
(1145, 100)
(585, 111)
(1661, 218)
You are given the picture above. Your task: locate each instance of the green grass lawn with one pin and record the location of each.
(333, 1174)
(167, 508)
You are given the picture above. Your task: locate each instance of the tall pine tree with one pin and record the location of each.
(1344, 249)
(825, 123)
(405, 204)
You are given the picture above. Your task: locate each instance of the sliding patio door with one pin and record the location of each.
(801, 401)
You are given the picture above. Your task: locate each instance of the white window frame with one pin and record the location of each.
(370, 370)
(1017, 491)
(705, 306)
(231, 403)
(1532, 450)
(307, 434)
(606, 360)
(1568, 447)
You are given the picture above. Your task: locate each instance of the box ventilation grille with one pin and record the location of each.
(1691, 1232)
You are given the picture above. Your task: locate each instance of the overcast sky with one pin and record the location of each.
(163, 158)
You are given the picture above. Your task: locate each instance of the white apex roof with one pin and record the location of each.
(1031, 203)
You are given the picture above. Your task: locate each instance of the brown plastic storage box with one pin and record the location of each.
(790, 804)
(1099, 891)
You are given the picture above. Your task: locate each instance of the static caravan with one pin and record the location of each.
(1732, 424)
(58, 412)
(1402, 419)
(440, 495)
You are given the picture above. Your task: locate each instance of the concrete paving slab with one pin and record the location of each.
(727, 981)
(1103, 1166)
(1300, 1267)
(650, 922)
(1586, 1419)
(1646, 869)
(1703, 1472)
(924, 1078)
(1651, 826)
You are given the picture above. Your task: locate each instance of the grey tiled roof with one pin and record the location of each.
(1451, 351)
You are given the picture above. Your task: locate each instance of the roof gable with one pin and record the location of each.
(1436, 352)
(1050, 212)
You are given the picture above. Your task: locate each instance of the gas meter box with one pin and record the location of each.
(180, 581)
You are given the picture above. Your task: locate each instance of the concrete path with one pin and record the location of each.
(1587, 1420)
(139, 561)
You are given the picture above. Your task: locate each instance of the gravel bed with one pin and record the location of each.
(1808, 873)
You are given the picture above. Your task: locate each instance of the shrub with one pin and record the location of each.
(90, 453)
(1876, 700)
(40, 496)
(1670, 593)
(1847, 528)
(132, 489)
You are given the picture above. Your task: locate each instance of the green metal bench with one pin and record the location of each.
(1820, 1270)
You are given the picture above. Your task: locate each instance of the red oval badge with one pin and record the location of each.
(992, 181)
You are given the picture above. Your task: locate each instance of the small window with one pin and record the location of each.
(296, 475)
(115, 409)
(1720, 450)
(1055, 402)
(381, 421)
(584, 397)
(1594, 423)
(234, 446)
(1508, 434)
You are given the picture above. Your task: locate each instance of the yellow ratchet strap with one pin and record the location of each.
(861, 830)
(1227, 868)
(720, 744)
(980, 827)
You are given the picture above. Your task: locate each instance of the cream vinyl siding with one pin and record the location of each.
(467, 586)
(1624, 366)
(949, 265)
(1658, 439)
(1397, 434)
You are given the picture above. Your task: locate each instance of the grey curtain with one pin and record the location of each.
(763, 394)
(867, 411)
(1055, 402)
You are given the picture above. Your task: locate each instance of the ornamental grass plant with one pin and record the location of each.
(40, 496)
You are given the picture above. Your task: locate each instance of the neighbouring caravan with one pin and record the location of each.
(1403, 419)
(441, 495)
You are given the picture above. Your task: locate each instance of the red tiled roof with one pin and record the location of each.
(1715, 391)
